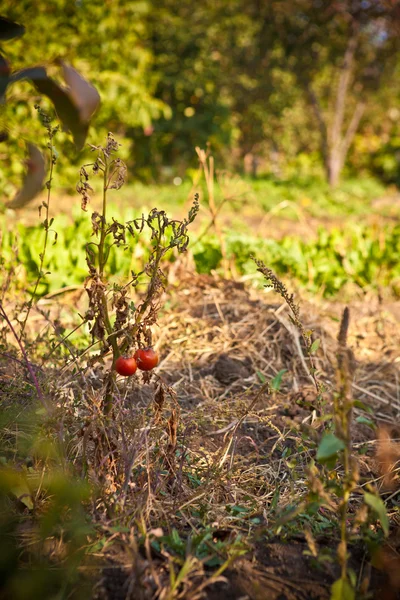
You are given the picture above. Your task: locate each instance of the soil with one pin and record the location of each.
(275, 571)
(215, 341)
(221, 369)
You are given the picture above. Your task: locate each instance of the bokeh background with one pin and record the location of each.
(273, 86)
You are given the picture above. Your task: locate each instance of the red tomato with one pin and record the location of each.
(125, 366)
(146, 359)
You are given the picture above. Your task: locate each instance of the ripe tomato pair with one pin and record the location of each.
(144, 358)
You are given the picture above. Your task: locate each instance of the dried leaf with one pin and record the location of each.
(10, 29)
(67, 111)
(34, 178)
(66, 108)
(83, 94)
(4, 77)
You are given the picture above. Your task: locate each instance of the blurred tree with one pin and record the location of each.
(219, 72)
(179, 38)
(283, 77)
(340, 53)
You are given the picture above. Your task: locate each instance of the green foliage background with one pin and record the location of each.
(175, 75)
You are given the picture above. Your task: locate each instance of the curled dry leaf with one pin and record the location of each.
(73, 104)
(34, 178)
(82, 93)
(387, 454)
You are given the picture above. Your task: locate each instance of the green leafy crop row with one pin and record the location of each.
(367, 256)
(364, 255)
(65, 258)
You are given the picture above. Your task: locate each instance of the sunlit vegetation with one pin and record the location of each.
(199, 300)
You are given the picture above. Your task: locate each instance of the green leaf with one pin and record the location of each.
(362, 406)
(261, 376)
(175, 538)
(237, 510)
(314, 346)
(342, 590)
(365, 421)
(277, 380)
(376, 503)
(329, 446)
(23, 493)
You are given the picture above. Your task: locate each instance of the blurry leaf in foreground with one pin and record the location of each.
(377, 505)
(65, 107)
(34, 178)
(83, 94)
(342, 590)
(4, 77)
(328, 448)
(74, 105)
(23, 494)
(9, 29)
(13, 482)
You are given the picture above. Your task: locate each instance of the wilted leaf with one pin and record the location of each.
(376, 503)
(329, 446)
(83, 94)
(9, 29)
(65, 107)
(34, 178)
(32, 73)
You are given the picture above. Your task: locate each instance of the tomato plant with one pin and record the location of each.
(146, 359)
(125, 366)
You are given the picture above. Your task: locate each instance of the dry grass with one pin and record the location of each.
(206, 444)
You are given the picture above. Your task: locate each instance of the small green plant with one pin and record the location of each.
(333, 484)
(47, 223)
(311, 346)
(341, 486)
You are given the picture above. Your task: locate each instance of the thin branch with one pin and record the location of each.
(323, 130)
(352, 128)
(343, 87)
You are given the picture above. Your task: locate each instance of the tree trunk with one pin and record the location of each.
(334, 168)
(334, 141)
